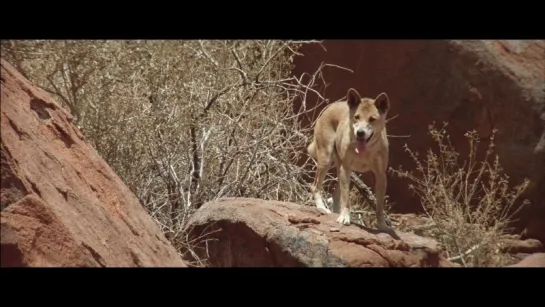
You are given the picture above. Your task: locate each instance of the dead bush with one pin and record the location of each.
(469, 203)
(182, 122)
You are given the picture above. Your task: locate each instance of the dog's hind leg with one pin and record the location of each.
(380, 190)
(323, 159)
(336, 201)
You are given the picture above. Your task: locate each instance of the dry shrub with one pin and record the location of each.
(182, 122)
(470, 204)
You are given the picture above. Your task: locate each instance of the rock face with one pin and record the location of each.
(478, 85)
(528, 246)
(243, 232)
(62, 205)
(532, 261)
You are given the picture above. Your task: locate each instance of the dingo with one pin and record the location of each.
(352, 134)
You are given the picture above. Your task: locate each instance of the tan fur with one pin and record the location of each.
(335, 141)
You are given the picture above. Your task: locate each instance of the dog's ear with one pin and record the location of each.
(382, 102)
(353, 98)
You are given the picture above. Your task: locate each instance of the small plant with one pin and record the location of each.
(470, 204)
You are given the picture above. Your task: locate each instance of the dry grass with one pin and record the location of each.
(183, 122)
(469, 203)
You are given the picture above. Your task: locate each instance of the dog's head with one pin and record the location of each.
(367, 117)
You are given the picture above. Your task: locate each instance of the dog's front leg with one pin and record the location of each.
(380, 188)
(344, 189)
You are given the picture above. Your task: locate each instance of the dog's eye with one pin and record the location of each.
(356, 117)
(371, 119)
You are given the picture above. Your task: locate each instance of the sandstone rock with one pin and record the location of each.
(470, 84)
(528, 246)
(245, 232)
(62, 205)
(532, 261)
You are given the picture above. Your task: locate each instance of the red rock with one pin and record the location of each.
(62, 205)
(515, 246)
(246, 232)
(532, 261)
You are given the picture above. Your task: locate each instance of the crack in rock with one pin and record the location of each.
(40, 107)
(96, 256)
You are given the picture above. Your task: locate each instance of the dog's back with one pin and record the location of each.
(327, 124)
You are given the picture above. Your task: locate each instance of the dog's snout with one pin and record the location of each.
(360, 133)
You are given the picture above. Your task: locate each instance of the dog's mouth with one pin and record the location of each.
(361, 144)
(369, 138)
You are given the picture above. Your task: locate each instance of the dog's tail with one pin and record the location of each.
(311, 149)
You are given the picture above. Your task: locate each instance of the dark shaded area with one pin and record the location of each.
(237, 245)
(40, 107)
(10, 254)
(12, 186)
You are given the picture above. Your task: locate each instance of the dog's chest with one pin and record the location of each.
(362, 162)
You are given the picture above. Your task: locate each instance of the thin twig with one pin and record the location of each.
(464, 254)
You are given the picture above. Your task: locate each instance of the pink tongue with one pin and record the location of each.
(360, 147)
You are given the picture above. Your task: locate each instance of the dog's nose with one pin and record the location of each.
(360, 133)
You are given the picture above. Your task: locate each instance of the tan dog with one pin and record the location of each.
(352, 134)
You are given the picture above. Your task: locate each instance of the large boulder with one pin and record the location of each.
(470, 84)
(515, 246)
(62, 205)
(247, 232)
(532, 261)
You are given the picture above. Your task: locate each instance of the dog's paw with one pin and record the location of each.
(344, 217)
(324, 210)
(320, 205)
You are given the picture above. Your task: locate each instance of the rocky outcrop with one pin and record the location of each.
(515, 246)
(532, 261)
(62, 205)
(245, 232)
(478, 85)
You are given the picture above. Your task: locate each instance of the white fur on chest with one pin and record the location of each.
(361, 162)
